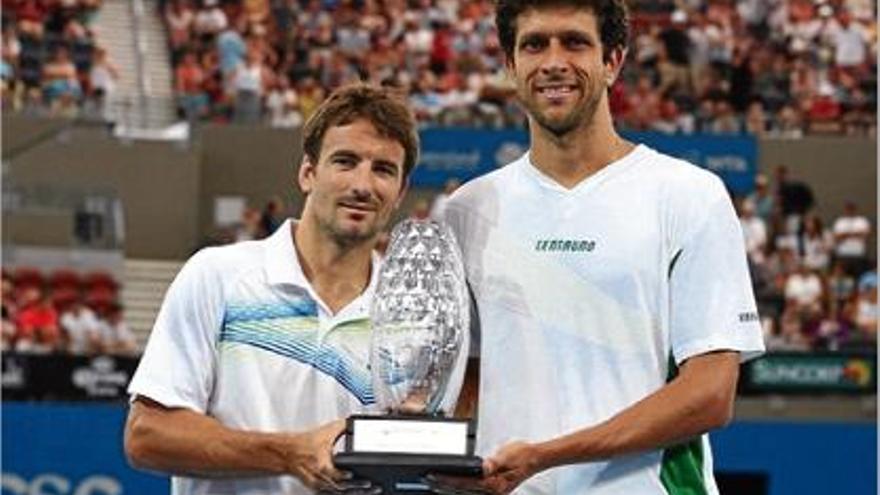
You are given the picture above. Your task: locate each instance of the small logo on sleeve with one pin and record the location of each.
(748, 317)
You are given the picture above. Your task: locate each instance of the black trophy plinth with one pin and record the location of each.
(397, 452)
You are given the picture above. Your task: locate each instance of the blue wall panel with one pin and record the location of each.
(51, 448)
(802, 458)
(69, 449)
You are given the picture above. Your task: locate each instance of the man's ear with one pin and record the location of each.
(613, 65)
(509, 64)
(306, 175)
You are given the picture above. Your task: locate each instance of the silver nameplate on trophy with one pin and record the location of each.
(410, 436)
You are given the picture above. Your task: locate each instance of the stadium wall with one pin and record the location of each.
(169, 190)
(836, 168)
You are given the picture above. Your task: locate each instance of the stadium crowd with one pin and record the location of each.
(816, 286)
(52, 63)
(780, 67)
(64, 312)
(765, 67)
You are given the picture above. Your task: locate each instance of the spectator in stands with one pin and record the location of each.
(788, 123)
(851, 232)
(763, 201)
(231, 48)
(249, 81)
(816, 244)
(114, 336)
(282, 104)
(841, 287)
(81, 329)
(756, 121)
(788, 335)
(754, 231)
(644, 105)
(179, 18)
(191, 96)
(726, 120)
(273, 216)
(803, 292)
(795, 199)
(848, 39)
(209, 21)
(250, 227)
(102, 82)
(37, 324)
(60, 77)
(867, 310)
(31, 16)
(11, 50)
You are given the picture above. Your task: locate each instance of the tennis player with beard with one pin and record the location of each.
(614, 299)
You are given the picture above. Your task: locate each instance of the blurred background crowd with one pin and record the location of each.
(765, 67)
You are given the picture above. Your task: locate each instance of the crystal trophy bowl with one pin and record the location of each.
(420, 324)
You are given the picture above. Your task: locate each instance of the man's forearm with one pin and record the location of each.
(182, 442)
(698, 400)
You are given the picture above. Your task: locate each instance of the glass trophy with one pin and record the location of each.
(420, 319)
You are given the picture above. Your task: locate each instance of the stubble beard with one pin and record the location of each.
(348, 239)
(580, 116)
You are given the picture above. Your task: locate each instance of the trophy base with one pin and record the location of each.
(403, 473)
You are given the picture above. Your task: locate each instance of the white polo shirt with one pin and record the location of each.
(587, 295)
(244, 338)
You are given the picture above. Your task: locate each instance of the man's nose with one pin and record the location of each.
(362, 181)
(555, 60)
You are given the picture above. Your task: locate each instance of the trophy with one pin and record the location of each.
(420, 331)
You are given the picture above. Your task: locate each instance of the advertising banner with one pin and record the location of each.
(801, 372)
(61, 377)
(69, 449)
(468, 153)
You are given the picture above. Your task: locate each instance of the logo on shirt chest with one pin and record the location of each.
(565, 245)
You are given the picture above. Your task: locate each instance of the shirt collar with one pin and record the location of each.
(282, 264)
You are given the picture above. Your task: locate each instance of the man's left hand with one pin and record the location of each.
(502, 473)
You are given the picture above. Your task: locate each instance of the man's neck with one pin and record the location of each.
(338, 274)
(571, 158)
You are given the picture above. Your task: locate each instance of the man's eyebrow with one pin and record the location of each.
(344, 153)
(564, 33)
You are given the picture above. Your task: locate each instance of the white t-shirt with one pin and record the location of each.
(586, 295)
(803, 289)
(81, 328)
(852, 246)
(755, 234)
(113, 335)
(244, 338)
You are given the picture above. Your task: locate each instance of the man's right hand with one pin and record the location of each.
(311, 457)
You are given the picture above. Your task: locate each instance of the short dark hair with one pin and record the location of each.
(381, 107)
(612, 17)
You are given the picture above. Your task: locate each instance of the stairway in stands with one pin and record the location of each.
(144, 285)
(128, 38)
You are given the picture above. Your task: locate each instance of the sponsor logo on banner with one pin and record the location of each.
(100, 378)
(823, 372)
(56, 484)
(13, 373)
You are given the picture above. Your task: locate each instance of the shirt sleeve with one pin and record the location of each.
(178, 364)
(712, 304)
